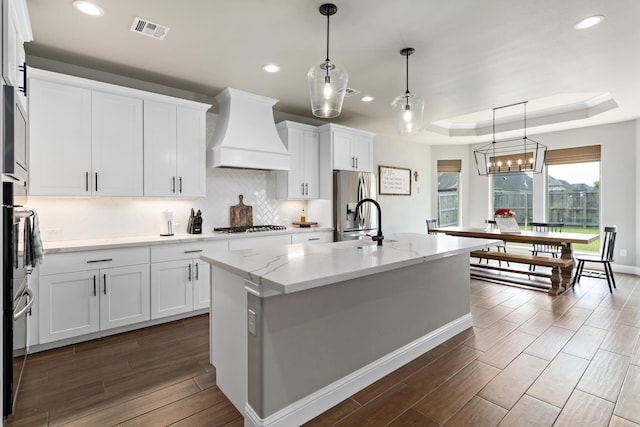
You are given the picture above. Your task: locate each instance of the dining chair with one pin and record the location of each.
(605, 258)
(431, 224)
(491, 223)
(540, 248)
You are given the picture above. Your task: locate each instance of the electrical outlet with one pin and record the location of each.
(252, 322)
(623, 252)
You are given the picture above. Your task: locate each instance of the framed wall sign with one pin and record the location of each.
(394, 181)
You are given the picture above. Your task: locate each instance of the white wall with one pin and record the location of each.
(405, 213)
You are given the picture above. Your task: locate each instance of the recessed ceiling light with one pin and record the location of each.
(588, 22)
(367, 98)
(88, 8)
(271, 68)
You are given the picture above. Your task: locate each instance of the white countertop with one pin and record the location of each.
(123, 242)
(287, 269)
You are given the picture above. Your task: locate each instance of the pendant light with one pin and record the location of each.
(327, 81)
(407, 108)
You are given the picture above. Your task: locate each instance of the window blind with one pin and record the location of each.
(449, 165)
(590, 153)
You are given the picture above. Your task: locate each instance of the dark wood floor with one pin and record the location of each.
(530, 359)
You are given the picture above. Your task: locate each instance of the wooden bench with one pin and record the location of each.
(557, 265)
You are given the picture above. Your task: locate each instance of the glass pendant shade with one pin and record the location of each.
(407, 113)
(327, 86)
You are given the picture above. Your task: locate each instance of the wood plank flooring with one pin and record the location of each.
(530, 359)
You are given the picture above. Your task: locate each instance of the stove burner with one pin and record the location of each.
(250, 228)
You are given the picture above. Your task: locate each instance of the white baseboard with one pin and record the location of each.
(316, 403)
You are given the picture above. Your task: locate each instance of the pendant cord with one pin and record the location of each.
(407, 92)
(327, 39)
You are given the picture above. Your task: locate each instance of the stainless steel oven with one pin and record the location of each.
(17, 296)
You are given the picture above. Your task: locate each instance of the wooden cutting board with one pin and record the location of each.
(241, 215)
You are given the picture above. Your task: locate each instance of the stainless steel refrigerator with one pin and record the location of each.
(348, 189)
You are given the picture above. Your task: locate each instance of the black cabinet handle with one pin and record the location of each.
(302, 187)
(96, 181)
(104, 278)
(189, 272)
(197, 273)
(94, 285)
(173, 184)
(23, 88)
(193, 251)
(180, 188)
(99, 260)
(86, 181)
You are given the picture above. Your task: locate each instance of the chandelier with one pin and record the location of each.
(514, 155)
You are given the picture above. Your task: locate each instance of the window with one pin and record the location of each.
(573, 190)
(448, 192)
(514, 191)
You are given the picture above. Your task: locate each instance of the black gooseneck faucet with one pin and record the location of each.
(379, 238)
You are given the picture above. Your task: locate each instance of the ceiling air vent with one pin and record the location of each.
(350, 92)
(148, 28)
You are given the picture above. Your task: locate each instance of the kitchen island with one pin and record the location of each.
(296, 329)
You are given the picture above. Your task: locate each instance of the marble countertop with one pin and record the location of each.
(132, 241)
(287, 269)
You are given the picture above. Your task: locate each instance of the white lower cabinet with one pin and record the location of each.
(85, 292)
(179, 279)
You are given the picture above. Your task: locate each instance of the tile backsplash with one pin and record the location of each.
(67, 218)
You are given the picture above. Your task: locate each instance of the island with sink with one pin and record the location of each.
(296, 329)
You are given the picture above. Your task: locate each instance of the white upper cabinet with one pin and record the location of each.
(96, 139)
(159, 149)
(348, 149)
(59, 139)
(116, 145)
(174, 154)
(191, 152)
(17, 33)
(303, 143)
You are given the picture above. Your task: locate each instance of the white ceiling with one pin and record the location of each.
(470, 55)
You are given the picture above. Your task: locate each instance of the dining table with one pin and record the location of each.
(562, 239)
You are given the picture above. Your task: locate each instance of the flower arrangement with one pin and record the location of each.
(504, 213)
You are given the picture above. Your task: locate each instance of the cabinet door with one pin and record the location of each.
(171, 288)
(191, 153)
(159, 149)
(69, 305)
(311, 161)
(201, 284)
(361, 149)
(295, 176)
(59, 139)
(124, 296)
(342, 157)
(116, 145)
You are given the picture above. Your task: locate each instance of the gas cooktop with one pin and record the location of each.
(249, 228)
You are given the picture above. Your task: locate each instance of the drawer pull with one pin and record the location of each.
(314, 238)
(99, 260)
(193, 251)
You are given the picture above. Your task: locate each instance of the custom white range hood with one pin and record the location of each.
(245, 135)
